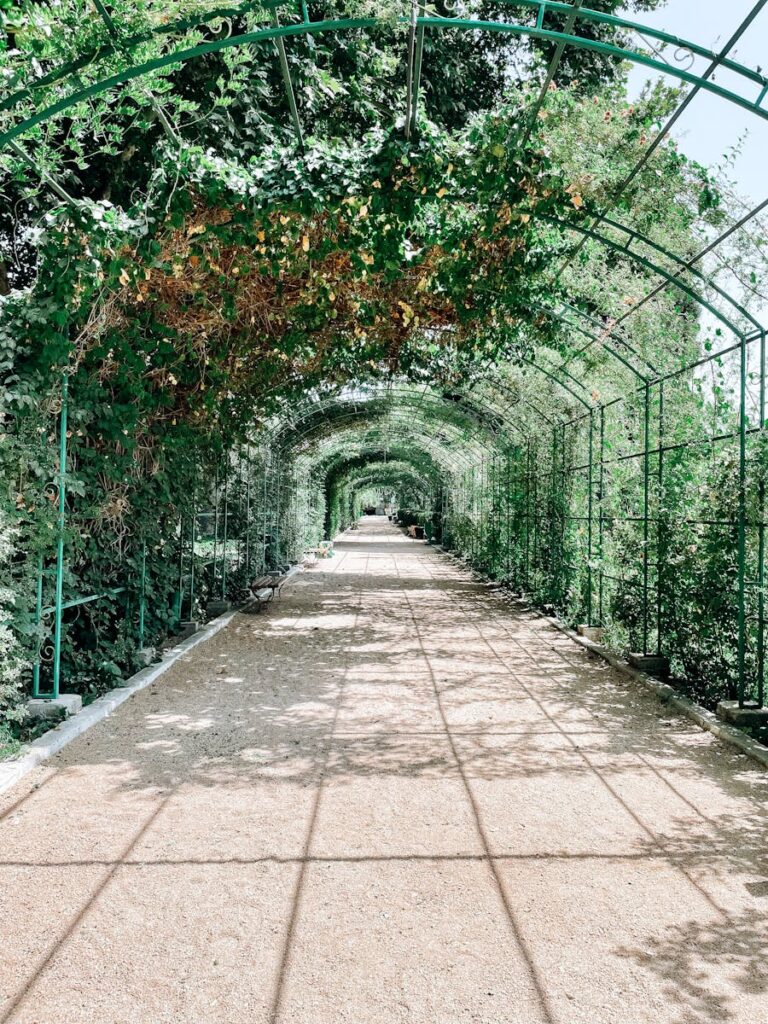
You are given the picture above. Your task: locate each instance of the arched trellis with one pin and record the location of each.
(352, 476)
(123, 45)
(416, 399)
(467, 453)
(417, 26)
(120, 44)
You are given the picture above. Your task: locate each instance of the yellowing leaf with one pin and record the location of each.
(305, 243)
(577, 201)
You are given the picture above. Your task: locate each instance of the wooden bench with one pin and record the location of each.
(263, 590)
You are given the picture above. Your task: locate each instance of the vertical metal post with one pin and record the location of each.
(240, 535)
(535, 507)
(553, 598)
(590, 488)
(224, 552)
(278, 510)
(761, 544)
(508, 515)
(481, 516)
(38, 619)
(742, 524)
(215, 527)
(661, 539)
(264, 516)
(58, 611)
(180, 598)
(601, 522)
(248, 510)
(563, 514)
(142, 594)
(193, 540)
(527, 478)
(646, 498)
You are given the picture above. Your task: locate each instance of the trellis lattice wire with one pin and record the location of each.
(548, 510)
(544, 509)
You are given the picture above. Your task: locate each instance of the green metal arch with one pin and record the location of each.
(383, 396)
(409, 431)
(349, 24)
(471, 441)
(339, 459)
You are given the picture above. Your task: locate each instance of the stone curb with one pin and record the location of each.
(666, 693)
(33, 754)
(669, 695)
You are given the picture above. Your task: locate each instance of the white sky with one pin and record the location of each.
(711, 126)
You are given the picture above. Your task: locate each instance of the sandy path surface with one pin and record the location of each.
(388, 800)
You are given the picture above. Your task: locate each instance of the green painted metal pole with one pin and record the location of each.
(590, 488)
(278, 509)
(192, 575)
(742, 525)
(38, 620)
(528, 464)
(535, 509)
(601, 524)
(508, 508)
(248, 511)
(409, 69)
(225, 553)
(553, 592)
(761, 545)
(215, 528)
(481, 512)
(180, 593)
(661, 540)
(417, 63)
(646, 500)
(563, 516)
(142, 594)
(240, 532)
(288, 83)
(61, 524)
(264, 515)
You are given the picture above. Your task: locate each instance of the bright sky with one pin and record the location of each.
(712, 126)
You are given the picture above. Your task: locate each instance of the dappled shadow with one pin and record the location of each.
(374, 672)
(694, 958)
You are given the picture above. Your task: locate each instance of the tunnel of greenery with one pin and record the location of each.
(263, 265)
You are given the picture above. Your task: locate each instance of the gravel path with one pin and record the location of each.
(388, 800)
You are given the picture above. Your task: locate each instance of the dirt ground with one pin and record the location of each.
(388, 800)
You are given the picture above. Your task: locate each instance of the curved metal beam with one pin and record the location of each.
(348, 24)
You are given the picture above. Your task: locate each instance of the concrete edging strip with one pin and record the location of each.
(669, 695)
(35, 753)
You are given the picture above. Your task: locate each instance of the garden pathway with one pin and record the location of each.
(391, 799)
